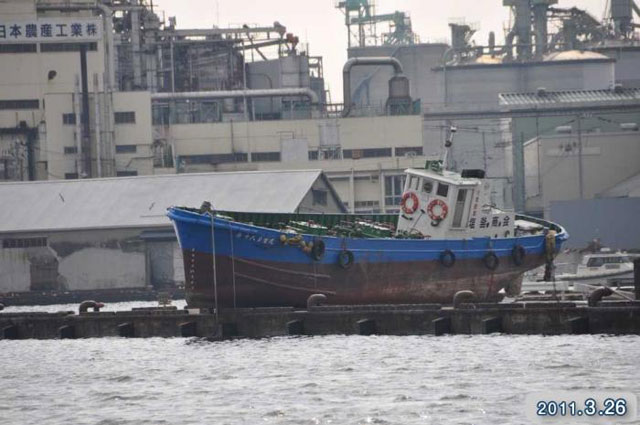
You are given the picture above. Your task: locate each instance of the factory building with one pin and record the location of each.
(113, 90)
(112, 233)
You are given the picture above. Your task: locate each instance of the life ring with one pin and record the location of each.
(517, 254)
(433, 214)
(345, 259)
(448, 258)
(415, 203)
(318, 249)
(491, 260)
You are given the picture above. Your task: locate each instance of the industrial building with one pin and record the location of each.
(111, 89)
(111, 233)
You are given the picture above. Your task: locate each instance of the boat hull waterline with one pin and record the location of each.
(253, 268)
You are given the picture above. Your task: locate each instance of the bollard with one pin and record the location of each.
(295, 327)
(636, 277)
(463, 297)
(598, 294)
(366, 327)
(316, 300)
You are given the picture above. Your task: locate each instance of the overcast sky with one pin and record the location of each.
(322, 26)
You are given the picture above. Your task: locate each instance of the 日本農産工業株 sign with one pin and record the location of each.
(54, 30)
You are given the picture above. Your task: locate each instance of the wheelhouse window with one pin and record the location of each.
(460, 207)
(427, 186)
(443, 190)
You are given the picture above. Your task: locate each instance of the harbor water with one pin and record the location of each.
(302, 380)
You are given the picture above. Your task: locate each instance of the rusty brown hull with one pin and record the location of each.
(244, 283)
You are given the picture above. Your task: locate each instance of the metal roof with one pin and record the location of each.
(142, 201)
(570, 97)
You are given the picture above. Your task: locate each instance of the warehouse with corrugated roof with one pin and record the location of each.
(113, 233)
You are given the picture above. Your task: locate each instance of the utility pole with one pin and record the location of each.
(580, 170)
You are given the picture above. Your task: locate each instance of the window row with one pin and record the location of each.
(128, 117)
(24, 243)
(45, 47)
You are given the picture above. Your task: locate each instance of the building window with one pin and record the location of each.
(66, 47)
(366, 153)
(416, 151)
(213, 158)
(319, 197)
(70, 150)
(24, 243)
(18, 48)
(443, 190)
(20, 104)
(265, 156)
(126, 148)
(69, 119)
(126, 173)
(71, 176)
(393, 187)
(125, 117)
(367, 204)
(313, 155)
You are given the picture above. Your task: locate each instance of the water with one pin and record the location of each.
(303, 380)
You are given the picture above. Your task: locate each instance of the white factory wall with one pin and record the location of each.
(478, 86)
(60, 135)
(75, 260)
(627, 64)
(469, 86)
(359, 182)
(607, 159)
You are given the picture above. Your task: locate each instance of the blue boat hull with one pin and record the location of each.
(254, 268)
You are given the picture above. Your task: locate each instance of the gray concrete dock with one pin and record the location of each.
(528, 318)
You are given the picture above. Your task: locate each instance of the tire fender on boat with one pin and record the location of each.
(345, 259)
(318, 249)
(517, 255)
(491, 260)
(447, 258)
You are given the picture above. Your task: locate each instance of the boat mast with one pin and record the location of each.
(447, 146)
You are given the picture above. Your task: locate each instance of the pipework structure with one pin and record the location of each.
(362, 23)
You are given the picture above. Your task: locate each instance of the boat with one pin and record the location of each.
(605, 267)
(446, 238)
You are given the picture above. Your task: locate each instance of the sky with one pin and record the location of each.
(321, 25)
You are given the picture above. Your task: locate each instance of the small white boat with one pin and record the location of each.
(602, 268)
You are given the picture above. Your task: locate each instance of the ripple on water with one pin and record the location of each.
(311, 380)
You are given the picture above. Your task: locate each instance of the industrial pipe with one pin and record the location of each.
(364, 61)
(306, 92)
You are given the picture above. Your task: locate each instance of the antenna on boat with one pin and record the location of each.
(447, 145)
